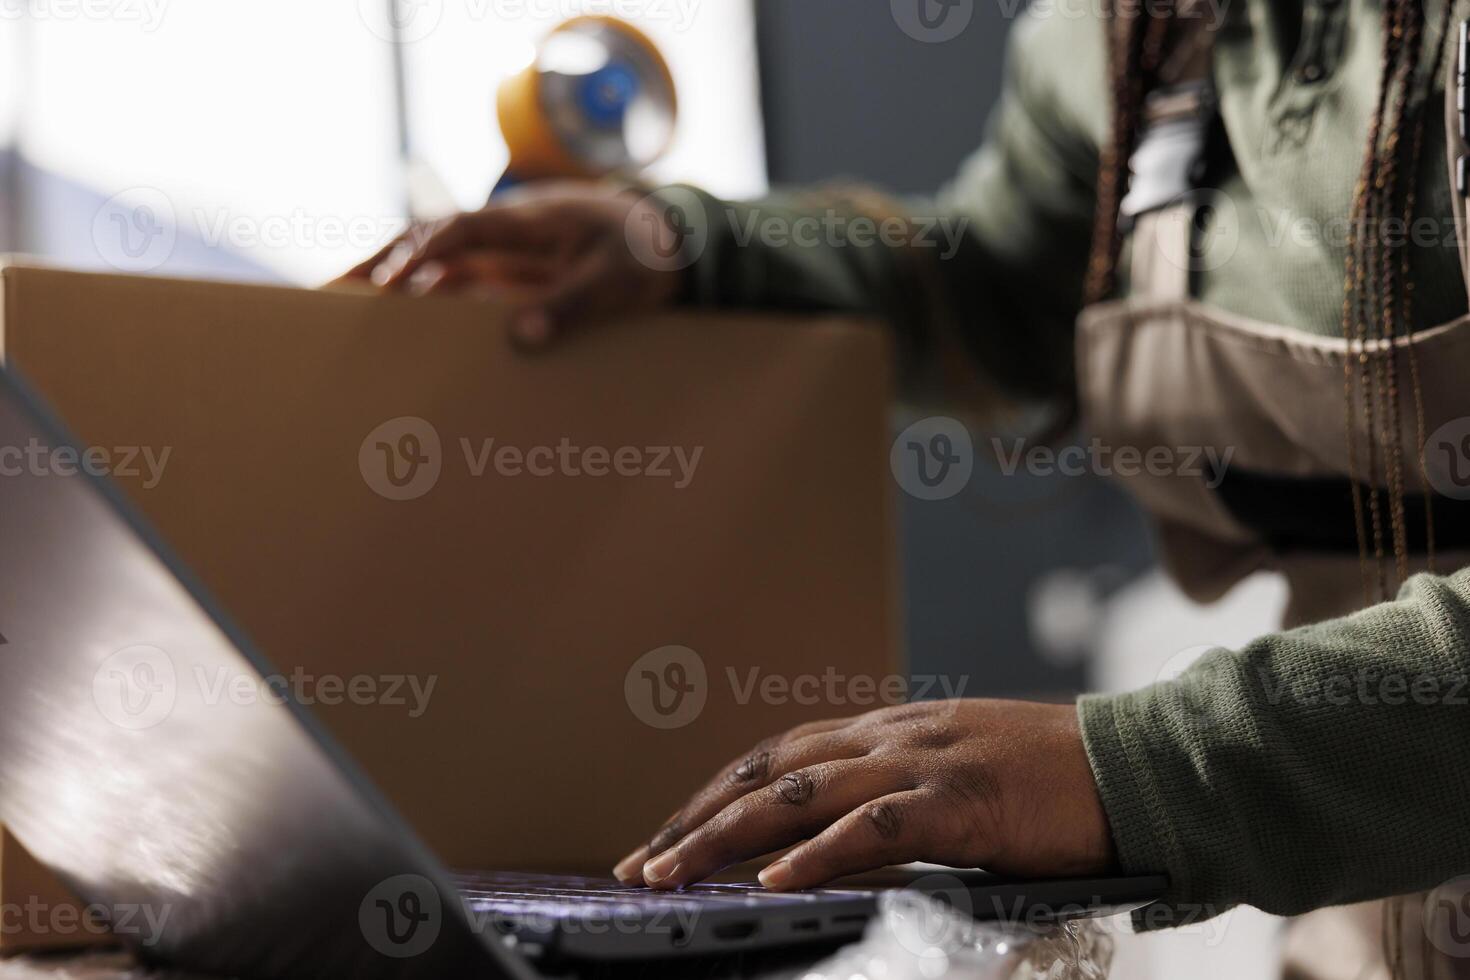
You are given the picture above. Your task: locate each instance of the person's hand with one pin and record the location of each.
(559, 253)
(1000, 785)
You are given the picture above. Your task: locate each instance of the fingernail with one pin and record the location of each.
(385, 270)
(776, 875)
(532, 328)
(661, 867)
(423, 278)
(630, 869)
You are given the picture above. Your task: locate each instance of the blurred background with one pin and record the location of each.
(269, 140)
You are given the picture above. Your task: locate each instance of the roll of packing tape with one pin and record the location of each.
(599, 99)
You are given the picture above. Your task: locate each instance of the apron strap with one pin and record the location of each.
(1456, 135)
(1159, 267)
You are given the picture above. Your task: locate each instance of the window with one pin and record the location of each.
(258, 139)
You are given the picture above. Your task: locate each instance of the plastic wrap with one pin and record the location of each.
(915, 937)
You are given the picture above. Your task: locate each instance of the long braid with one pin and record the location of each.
(1408, 28)
(1380, 281)
(1125, 32)
(1139, 39)
(1376, 197)
(1358, 310)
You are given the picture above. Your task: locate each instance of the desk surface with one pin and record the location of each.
(121, 966)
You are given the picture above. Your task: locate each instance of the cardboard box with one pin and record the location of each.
(537, 645)
(36, 910)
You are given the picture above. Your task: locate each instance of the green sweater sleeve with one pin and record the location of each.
(988, 270)
(1315, 767)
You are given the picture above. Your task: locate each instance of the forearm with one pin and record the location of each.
(982, 282)
(958, 309)
(1316, 767)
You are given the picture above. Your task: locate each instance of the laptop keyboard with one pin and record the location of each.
(568, 896)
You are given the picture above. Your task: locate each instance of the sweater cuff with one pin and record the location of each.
(1143, 834)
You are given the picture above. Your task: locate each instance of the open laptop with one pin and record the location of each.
(218, 828)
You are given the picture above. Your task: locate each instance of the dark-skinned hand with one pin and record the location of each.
(1000, 785)
(559, 253)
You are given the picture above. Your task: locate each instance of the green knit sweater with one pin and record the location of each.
(1315, 767)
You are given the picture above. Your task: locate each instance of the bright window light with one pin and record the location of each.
(259, 139)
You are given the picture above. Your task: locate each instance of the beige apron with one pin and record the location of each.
(1159, 369)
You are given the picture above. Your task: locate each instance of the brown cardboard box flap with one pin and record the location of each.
(461, 556)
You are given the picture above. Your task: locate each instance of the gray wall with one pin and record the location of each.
(846, 91)
(1002, 581)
